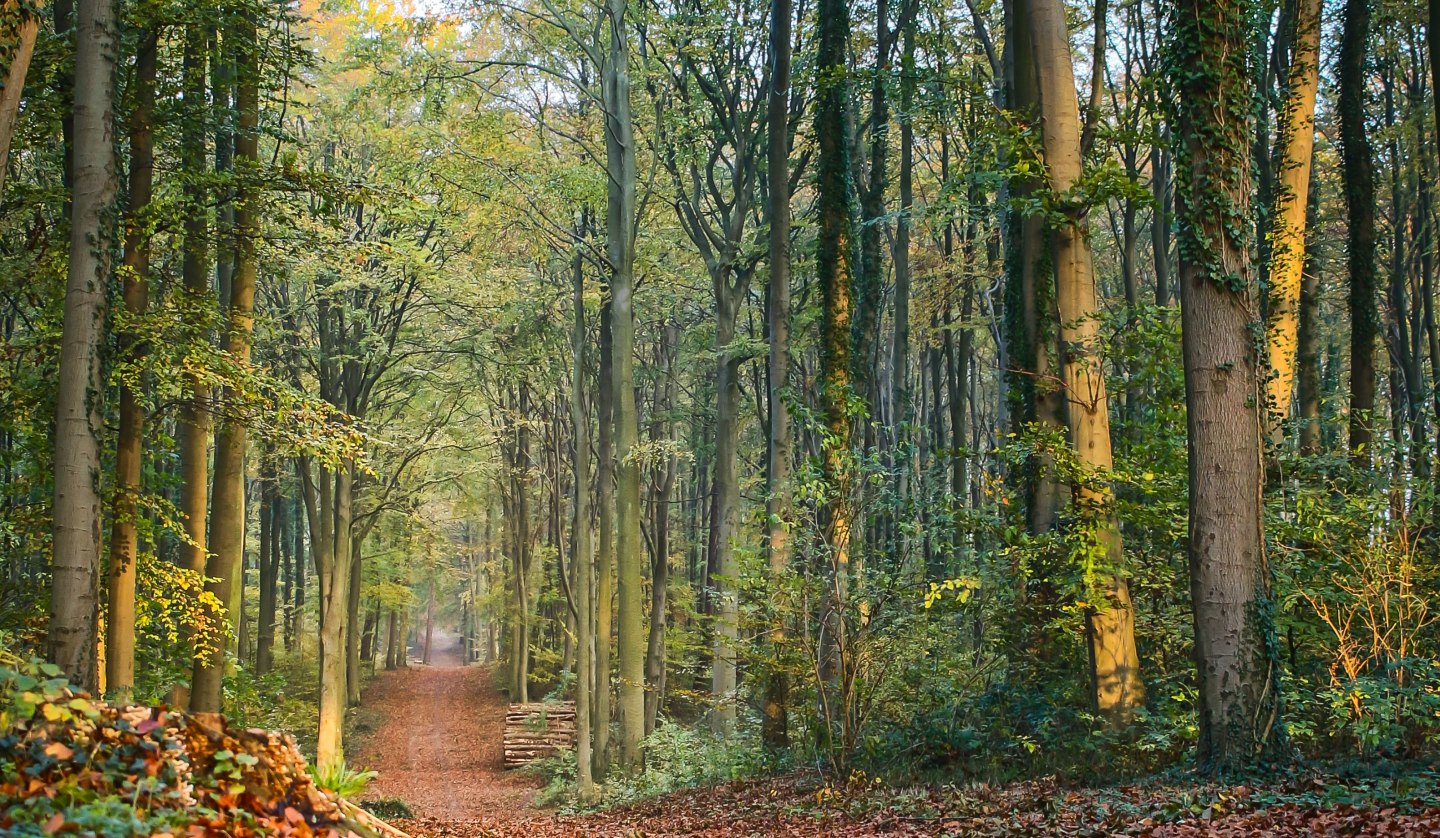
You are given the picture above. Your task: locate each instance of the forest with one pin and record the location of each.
(839, 395)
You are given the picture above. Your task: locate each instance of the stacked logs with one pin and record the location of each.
(536, 731)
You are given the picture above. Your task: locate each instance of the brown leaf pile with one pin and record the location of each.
(199, 773)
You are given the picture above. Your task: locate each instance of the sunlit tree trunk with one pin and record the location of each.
(1029, 297)
(335, 519)
(1287, 254)
(18, 27)
(1229, 578)
(77, 509)
(134, 270)
(1118, 690)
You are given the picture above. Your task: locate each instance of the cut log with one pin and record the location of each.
(537, 730)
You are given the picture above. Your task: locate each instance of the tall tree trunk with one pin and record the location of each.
(227, 524)
(135, 270)
(1287, 255)
(1359, 175)
(1030, 297)
(902, 411)
(1307, 360)
(77, 509)
(775, 731)
(836, 260)
(662, 430)
(194, 414)
(1160, 222)
(17, 33)
(352, 623)
(1118, 690)
(581, 555)
(620, 250)
(334, 563)
(269, 572)
(605, 553)
(724, 581)
(1229, 578)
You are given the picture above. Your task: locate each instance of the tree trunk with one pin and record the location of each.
(605, 553)
(1118, 690)
(1229, 577)
(194, 413)
(1287, 255)
(335, 565)
(662, 429)
(21, 26)
(775, 730)
(392, 641)
(77, 509)
(620, 250)
(269, 572)
(581, 556)
(1359, 176)
(227, 525)
(135, 271)
(724, 581)
(1029, 299)
(352, 622)
(835, 262)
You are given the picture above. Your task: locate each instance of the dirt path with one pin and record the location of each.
(437, 743)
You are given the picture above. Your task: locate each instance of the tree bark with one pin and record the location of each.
(581, 547)
(620, 251)
(1229, 578)
(775, 730)
(1287, 254)
(77, 509)
(19, 30)
(1118, 690)
(135, 270)
(194, 414)
(227, 524)
(1358, 168)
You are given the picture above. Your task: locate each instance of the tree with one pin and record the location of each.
(1239, 704)
(19, 24)
(620, 251)
(778, 495)
(1116, 677)
(77, 515)
(129, 445)
(1287, 254)
(227, 519)
(1359, 173)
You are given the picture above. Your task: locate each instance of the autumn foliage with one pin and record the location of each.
(72, 765)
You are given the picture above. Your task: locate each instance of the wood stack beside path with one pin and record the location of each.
(538, 730)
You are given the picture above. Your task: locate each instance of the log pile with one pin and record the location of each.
(536, 731)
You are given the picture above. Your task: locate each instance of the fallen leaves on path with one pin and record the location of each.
(804, 807)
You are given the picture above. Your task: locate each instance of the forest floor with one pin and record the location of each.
(434, 735)
(435, 738)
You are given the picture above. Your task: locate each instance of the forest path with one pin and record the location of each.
(437, 743)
